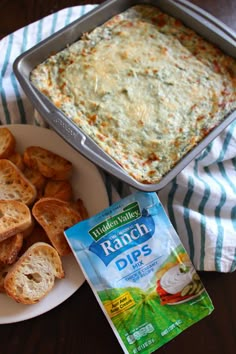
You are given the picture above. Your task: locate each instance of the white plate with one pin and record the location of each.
(88, 185)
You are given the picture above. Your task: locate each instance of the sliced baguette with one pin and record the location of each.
(59, 189)
(55, 216)
(38, 235)
(14, 185)
(35, 177)
(15, 217)
(47, 163)
(27, 232)
(17, 159)
(7, 143)
(10, 248)
(3, 272)
(33, 276)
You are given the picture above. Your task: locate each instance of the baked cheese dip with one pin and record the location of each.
(144, 87)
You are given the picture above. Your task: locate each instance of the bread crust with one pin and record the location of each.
(37, 235)
(10, 248)
(55, 216)
(7, 143)
(3, 272)
(15, 217)
(17, 159)
(32, 277)
(47, 163)
(14, 185)
(58, 189)
(37, 179)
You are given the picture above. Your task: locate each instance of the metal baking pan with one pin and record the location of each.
(197, 19)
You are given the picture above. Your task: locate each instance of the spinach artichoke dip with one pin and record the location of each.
(144, 87)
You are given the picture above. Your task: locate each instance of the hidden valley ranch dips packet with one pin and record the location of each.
(139, 272)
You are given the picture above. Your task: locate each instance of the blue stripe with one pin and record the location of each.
(186, 202)
(234, 162)
(227, 139)
(24, 47)
(17, 92)
(68, 16)
(170, 203)
(208, 149)
(225, 146)
(39, 32)
(3, 72)
(82, 11)
(205, 152)
(221, 167)
(233, 217)
(25, 39)
(233, 265)
(54, 22)
(226, 177)
(206, 195)
(220, 236)
(18, 99)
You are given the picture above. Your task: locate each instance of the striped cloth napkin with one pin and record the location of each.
(200, 201)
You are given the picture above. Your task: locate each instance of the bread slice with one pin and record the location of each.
(27, 232)
(10, 248)
(17, 159)
(7, 143)
(47, 163)
(55, 216)
(37, 235)
(33, 276)
(14, 185)
(15, 217)
(37, 179)
(59, 189)
(3, 272)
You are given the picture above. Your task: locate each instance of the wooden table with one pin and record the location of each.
(78, 326)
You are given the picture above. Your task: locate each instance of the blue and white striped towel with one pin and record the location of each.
(200, 201)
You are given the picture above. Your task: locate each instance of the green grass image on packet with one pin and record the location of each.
(139, 272)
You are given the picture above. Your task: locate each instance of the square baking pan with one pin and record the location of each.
(192, 16)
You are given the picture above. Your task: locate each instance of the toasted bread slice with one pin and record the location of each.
(15, 217)
(7, 143)
(14, 185)
(33, 276)
(10, 248)
(47, 163)
(37, 179)
(17, 159)
(59, 189)
(27, 232)
(3, 272)
(55, 216)
(37, 235)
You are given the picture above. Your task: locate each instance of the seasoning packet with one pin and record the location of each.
(139, 272)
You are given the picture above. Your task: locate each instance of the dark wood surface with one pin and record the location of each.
(18, 13)
(78, 326)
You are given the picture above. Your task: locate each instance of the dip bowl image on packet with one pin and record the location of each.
(139, 272)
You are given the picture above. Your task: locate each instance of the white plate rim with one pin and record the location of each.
(10, 311)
